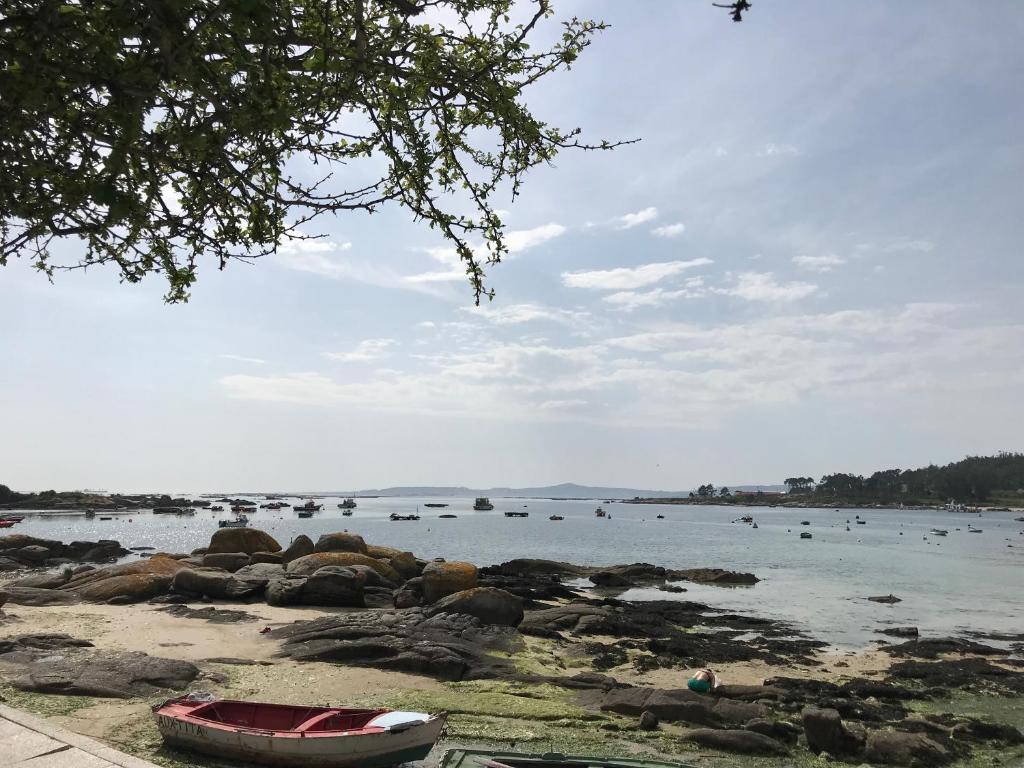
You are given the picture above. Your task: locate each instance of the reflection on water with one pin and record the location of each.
(947, 584)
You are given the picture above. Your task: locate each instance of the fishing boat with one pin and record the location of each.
(938, 532)
(806, 535)
(397, 517)
(477, 758)
(435, 505)
(306, 737)
(556, 517)
(1019, 519)
(517, 514)
(347, 504)
(305, 513)
(310, 506)
(238, 508)
(239, 522)
(216, 508)
(803, 522)
(482, 504)
(346, 513)
(599, 512)
(746, 519)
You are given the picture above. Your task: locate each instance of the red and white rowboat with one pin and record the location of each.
(310, 737)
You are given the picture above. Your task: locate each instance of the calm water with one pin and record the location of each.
(948, 585)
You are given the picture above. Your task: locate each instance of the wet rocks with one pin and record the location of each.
(825, 732)
(933, 647)
(443, 579)
(489, 605)
(715, 576)
(908, 749)
(610, 579)
(970, 673)
(341, 542)
(248, 540)
(899, 631)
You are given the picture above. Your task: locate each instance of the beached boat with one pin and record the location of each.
(483, 504)
(517, 514)
(310, 506)
(599, 512)
(347, 504)
(556, 517)
(239, 522)
(938, 532)
(489, 758)
(306, 737)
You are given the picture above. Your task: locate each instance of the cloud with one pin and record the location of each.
(762, 286)
(819, 263)
(669, 230)
(904, 244)
(630, 220)
(778, 150)
(631, 300)
(557, 405)
(514, 314)
(241, 359)
(629, 278)
(365, 351)
(519, 240)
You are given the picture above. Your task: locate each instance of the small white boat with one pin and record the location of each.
(297, 736)
(239, 522)
(938, 532)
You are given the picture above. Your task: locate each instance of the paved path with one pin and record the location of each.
(30, 742)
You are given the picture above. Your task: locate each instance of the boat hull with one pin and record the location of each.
(328, 750)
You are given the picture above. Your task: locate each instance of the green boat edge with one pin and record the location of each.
(465, 758)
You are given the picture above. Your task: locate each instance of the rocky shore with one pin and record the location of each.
(537, 653)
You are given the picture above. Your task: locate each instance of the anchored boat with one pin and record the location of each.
(347, 504)
(239, 522)
(303, 737)
(483, 504)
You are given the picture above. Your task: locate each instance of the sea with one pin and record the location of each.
(960, 584)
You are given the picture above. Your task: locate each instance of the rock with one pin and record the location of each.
(106, 674)
(36, 596)
(95, 552)
(158, 565)
(533, 567)
(378, 597)
(715, 576)
(248, 540)
(9, 564)
(273, 558)
(209, 613)
(443, 579)
(490, 605)
(933, 647)
(229, 561)
(310, 564)
(285, 591)
(32, 554)
(258, 574)
(668, 705)
(909, 749)
(671, 588)
(899, 631)
(780, 730)
(373, 578)
(45, 642)
(648, 721)
(129, 588)
(969, 673)
(740, 741)
(885, 599)
(403, 562)
(610, 579)
(825, 732)
(216, 584)
(446, 646)
(301, 546)
(334, 585)
(17, 541)
(411, 594)
(341, 542)
(79, 569)
(44, 580)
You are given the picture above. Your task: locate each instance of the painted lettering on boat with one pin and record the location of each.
(193, 729)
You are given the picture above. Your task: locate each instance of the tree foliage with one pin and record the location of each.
(155, 132)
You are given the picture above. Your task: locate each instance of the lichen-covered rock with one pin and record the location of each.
(403, 562)
(342, 541)
(229, 561)
(490, 605)
(443, 579)
(156, 565)
(273, 558)
(248, 540)
(301, 546)
(129, 588)
(310, 564)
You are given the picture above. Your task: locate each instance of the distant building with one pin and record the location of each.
(758, 493)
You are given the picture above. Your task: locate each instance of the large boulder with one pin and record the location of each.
(715, 576)
(373, 578)
(156, 565)
(259, 574)
(274, 558)
(33, 554)
(216, 584)
(106, 674)
(403, 562)
(94, 551)
(610, 579)
(741, 741)
(909, 749)
(285, 591)
(132, 587)
(825, 732)
(248, 540)
(229, 561)
(490, 605)
(410, 595)
(36, 596)
(301, 546)
(310, 564)
(343, 541)
(44, 580)
(20, 540)
(443, 579)
(334, 585)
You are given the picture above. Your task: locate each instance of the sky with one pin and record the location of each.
(809, 263)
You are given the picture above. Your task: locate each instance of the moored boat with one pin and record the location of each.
(347, 504)
(310, 506)
(396, 516)
(346, 513)
(517, 514)
(6, 523)
(299, 736)
(305, 513)
(435, 505)
(938, 532)
(556, 517)
(239, 522)
(599, 512)
(806, 535)
(483, 504)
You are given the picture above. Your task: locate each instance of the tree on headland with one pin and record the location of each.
(154, 133)
(799, 484)
(723, 491)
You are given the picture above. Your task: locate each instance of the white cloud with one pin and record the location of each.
(242, 359)
(630, 220)
(762, 286)
(426, 324)
(669, 230)
(629, 278)
(365, 351)
(630, 300)
(519, 240)
(514, 314)
(905, 244)
(557, 405)
(819, 263)
(778, 150)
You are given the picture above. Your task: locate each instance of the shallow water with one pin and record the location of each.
(958, 583)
